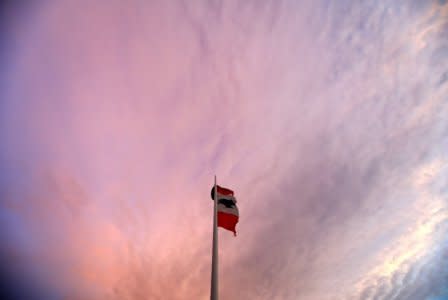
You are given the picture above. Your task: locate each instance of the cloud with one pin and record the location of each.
(327, 119)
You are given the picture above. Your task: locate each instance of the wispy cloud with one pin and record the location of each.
(327, 119)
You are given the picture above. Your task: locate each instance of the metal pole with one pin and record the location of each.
(214, 283)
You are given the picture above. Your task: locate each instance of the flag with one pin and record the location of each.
(227, 211)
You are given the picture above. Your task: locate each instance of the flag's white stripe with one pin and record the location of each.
(226, 197)
(228, 210)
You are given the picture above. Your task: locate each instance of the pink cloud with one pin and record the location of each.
(117, 117)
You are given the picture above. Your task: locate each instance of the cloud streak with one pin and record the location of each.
(327, 119)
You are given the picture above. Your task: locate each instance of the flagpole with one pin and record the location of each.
(214, 280)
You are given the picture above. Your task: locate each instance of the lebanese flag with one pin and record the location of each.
(227, 211)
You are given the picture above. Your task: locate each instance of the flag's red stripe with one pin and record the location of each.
(224, 191)
(227, 221)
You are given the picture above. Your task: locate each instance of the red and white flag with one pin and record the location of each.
(227, 210)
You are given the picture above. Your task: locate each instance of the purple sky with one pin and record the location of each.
(327, 118)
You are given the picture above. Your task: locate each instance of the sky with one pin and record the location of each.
(327, 119)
